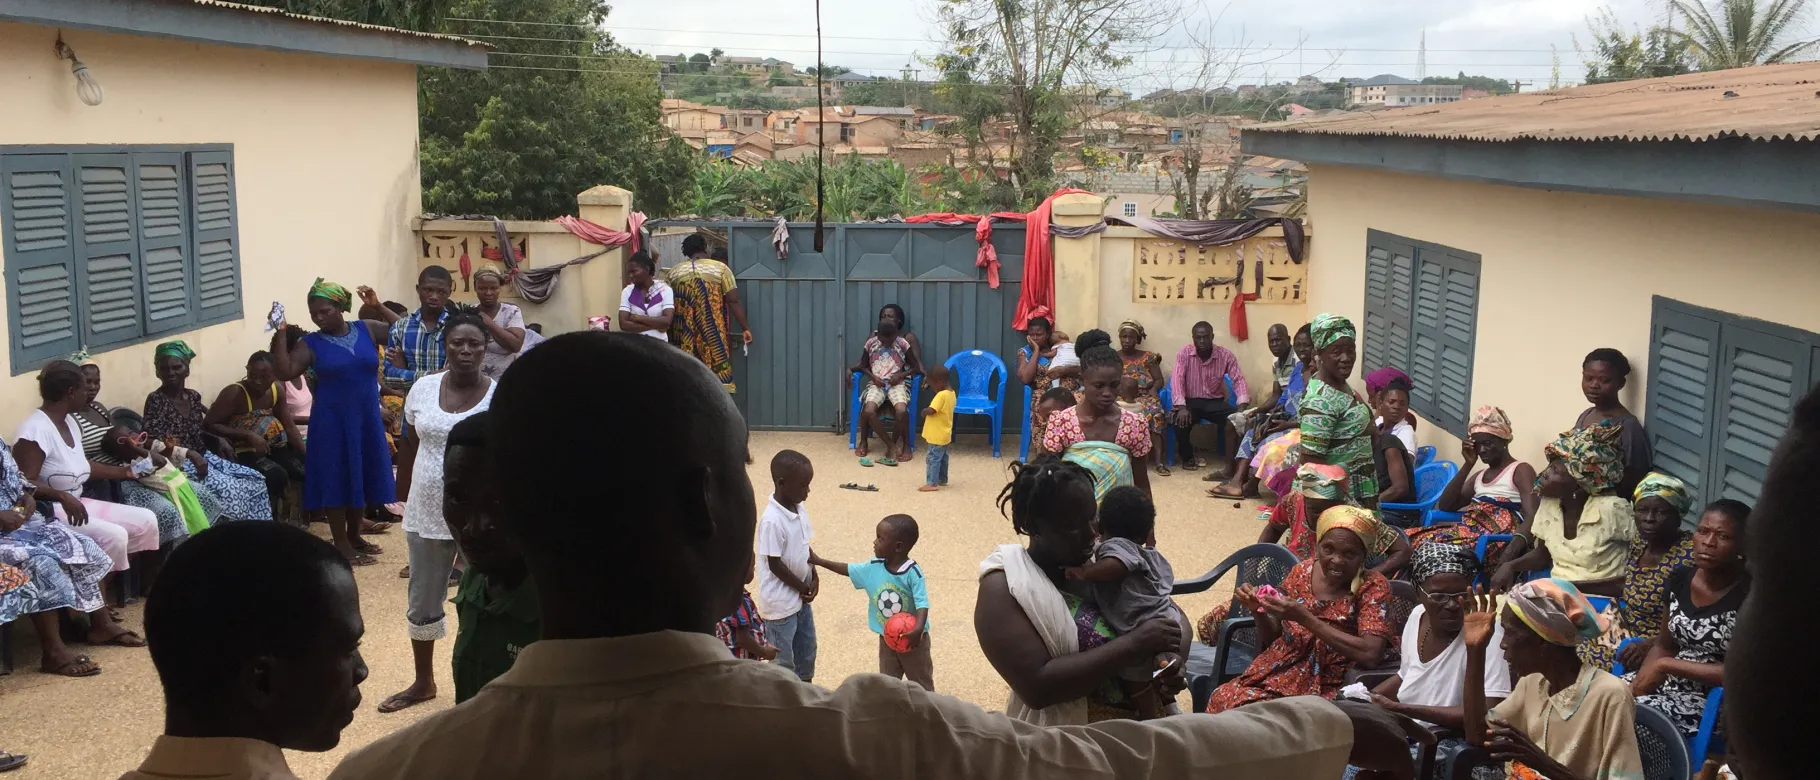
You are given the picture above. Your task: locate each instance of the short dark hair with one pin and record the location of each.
(903, 322)
(694, 243)
(57, 380)
(1035, 489)
(1307, 329)
(1090, 339)
(1035, 321)
(468, 318)
(435, 273)
(1101, 357)
(935, 370)
(234, 592)
(292, 335)
(1620, 364)
(905, 528)
(260, 356)
(1737, 511)
(1396, 383)
(788, 462)
(1061, 394)
(643, 259)
(1127, 513)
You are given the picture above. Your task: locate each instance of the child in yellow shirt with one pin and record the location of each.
(938, 428)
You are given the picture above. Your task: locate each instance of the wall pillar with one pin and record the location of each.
(1077, 275)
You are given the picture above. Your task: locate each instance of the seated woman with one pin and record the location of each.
(1270, 428)
(174, 413)
(1330, 616)
(1110, 443)
(1564, 720)
(1492, 500)
(1428, 685)
(1035, 370)
(1043, 633)
(1320, 487)
(252, 414)
(1687, 657)
(1394, 460)
(885, 366)
(94, 423)
(1660, 548)
(1401, 422)
(1582, 529)
(299, 393)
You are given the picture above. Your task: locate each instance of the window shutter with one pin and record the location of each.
(1446, 308)
(164, 223)
(107, 250)
(217, 236)
(40, 257)
(1761, 376)
(1683, 373)
(1389, 271)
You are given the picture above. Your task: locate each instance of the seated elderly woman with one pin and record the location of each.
(174, 413)
(1330, 616)
(1492, 500)
(1660, 548)
(1564, 719)
(1687, 658)
(1582, 528)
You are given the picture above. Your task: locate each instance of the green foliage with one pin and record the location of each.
(1741, 33)
(854, 189)
(1617, 54)
(424, 15)
(1487, 83)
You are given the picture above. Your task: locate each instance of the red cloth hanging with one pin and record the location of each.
(982, 234)
(603, 235)
(1038, 296)
(1236, 322)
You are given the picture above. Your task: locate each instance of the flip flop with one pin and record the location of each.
(861, 488)
(402, 700)
(887, 462)
(94, 668)
(405, 573)
(1163, 471)
(12, 761)
(125, 638)
(867, 462)
(1215, 492)
(365, 547)
(362, 559)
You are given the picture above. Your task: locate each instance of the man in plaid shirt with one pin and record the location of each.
(415, 350)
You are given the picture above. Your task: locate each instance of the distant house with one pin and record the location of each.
(780, 67)
(745, 120)
(692, 120)
(1485, 246)
(1247, 90)
(1305, 85)
(1387, 91)
(194, 191)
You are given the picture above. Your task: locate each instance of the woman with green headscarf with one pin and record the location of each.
(1582, 529)
(1661, 547)
(174, 413)
(1336, 423)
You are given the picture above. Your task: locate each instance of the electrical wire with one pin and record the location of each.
(821, 129)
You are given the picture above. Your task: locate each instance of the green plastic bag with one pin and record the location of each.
(177, 489)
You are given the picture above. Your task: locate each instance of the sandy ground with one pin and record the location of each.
(102, 726)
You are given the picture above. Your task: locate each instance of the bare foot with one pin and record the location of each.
(928, 489)
(417, 694)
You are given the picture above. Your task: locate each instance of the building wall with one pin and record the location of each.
(325, 154)
(1561, 275)
(1149, 204)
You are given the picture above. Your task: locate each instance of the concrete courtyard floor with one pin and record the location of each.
(99, 727)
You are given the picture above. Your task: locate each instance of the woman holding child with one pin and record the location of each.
(1110, 443)
(174, 414)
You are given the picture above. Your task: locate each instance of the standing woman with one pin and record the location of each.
(436, 403)
(504, 322)
(174, 413)
(1335, 421)
(1603, 374)
(1146, 368)
(647, 305)
(1095, 434)
(705, 293)
(348, 457)
(251, 414)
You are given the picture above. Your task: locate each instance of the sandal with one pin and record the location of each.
(12, 761)
(867, 462)
(405, 573)
(124, 638)
(361, 559)
(1163, 471)
(365, 547)
(1216, 492)
(63, 669)
(402, 700)
(373, 527)
(861, 488)
(887, 462)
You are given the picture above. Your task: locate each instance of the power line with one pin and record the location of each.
(1191, 64)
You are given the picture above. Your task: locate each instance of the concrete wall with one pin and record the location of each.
(1562, 274)
(325, 154)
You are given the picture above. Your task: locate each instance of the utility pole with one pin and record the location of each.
(1422, 57)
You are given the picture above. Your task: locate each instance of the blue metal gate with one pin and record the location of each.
(811, 311)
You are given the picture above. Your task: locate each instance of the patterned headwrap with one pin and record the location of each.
(1556, 610)
(1436, 558)
(81, 357)
(177, 349)
(1668, 489)
(1361, 521)
(1132, 325)
(333, 293)
(488, 270)
(1321, 480)
(1328, 328)
(1492, 420)
(1591, 456)
(1376, 381)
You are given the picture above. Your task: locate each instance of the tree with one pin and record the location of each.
(1487, 83)
(426, 15)
(1620, 55)
(1741, 33)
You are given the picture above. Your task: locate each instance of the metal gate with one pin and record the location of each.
(811, 311)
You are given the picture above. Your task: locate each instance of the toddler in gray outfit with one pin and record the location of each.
(1131, 583)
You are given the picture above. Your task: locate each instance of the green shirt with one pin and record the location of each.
(492, 631)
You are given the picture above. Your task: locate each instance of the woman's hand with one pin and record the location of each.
(1633, 654)
(1157, 635)
(11, 521)
(767, 652)
(1285, 610)
(1389, 704)
(1504, 578)
(1508, 743)
(1649, 678)
(1469, 453)
(73, 509)
(1481, 618)
(258, 444)
(201, 464)
(1248, 596)
(367, 296)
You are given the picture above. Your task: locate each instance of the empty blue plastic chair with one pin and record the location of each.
(1430, 481)
(970, 377)
(1424, 456)
(914, 408)
(1167, 397)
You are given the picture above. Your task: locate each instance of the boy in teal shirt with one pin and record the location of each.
(894, 583)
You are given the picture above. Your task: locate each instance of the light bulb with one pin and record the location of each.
(88, 88)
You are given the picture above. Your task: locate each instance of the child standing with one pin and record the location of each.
(1131, 583)
(894, 583)
(786, 581)
(744, 631)
(496, 605)
(938, 428)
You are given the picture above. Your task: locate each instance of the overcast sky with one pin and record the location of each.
(1501, 38)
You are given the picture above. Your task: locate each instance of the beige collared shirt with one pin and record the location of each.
(212, 758)
(672, 704)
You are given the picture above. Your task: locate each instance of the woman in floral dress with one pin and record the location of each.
(1146, 368)
(1336, 423)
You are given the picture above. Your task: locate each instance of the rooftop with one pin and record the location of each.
(1383, 80)
(1762, 103)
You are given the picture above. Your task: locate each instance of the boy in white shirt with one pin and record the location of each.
(786, 581)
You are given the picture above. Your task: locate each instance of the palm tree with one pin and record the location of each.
(1741, 33)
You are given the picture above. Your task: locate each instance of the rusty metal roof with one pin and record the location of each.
(1769, 102)
(259, 9)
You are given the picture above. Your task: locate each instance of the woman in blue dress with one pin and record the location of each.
(347, 465)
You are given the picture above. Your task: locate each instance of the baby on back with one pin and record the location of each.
(1131, 583)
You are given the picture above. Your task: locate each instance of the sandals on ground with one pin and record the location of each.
(861, 488)
(63, 669)
(12, 761)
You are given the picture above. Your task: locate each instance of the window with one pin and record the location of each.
(109, 246)
(748, 121)
(1721, 391)
(1421, 313)
(1130, 209)
(846, 132)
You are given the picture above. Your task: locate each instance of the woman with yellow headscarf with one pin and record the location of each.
(1330, 616)
(1146, 369)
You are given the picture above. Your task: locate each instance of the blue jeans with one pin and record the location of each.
(794, 638)
(936, 464)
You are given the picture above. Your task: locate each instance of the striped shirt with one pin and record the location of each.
(422, 348)
(1197, 378)
(743, 617)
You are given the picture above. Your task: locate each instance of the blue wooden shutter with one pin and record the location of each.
(216, 236)
(1683, 373)
(1389, 273)
(164, 246)
(107, 250)
(1446, 311)
(1761, 376)
(40, 257)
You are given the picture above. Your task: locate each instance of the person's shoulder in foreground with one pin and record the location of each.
(628, 677)
(285, 673)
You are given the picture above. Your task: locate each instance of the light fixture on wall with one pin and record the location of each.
(88, 90)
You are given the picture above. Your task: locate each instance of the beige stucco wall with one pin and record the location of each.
(1149, 204)
(325, 155)
(1563, 274)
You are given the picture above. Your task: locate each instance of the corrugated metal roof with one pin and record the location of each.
(259, 9)
(1762, 103)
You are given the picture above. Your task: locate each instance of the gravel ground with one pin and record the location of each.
(102, 726)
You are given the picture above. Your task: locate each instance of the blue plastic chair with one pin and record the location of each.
(1431, 480)
(1702, 744)
(970, 375)
(1023, 446)
(1479, 550)
(1424, 456)
(1436, 517)
(914, 407)
(1167, 397)
(1659, 744)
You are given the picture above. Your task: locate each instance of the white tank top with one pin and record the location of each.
(1500, 487)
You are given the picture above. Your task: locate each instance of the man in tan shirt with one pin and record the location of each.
(255, 630)
(625, 461)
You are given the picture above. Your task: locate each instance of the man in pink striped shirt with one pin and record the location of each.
(1198, 383)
